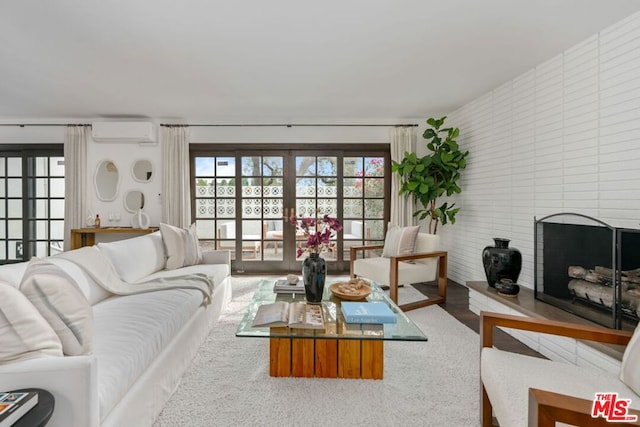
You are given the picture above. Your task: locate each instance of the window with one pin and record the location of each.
(243, 196)
(31, 202)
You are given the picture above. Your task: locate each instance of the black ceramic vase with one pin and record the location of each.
(314, 271)
(502, 264)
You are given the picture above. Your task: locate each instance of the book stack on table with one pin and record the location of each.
(367, 312)
(14, 406)
(283, 286)
(292, 315)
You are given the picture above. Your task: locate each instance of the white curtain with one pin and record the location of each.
(75, 181)
(176, 185)
(403, 139)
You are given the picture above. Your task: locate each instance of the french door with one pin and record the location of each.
(243, 199)
(31, 202)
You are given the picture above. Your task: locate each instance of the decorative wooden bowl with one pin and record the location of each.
(355, 295)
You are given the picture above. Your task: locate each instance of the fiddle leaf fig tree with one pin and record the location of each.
(434, 175)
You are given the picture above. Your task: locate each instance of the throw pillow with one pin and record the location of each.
(182, 246)
(24, 333)
(92, 291)
(124, 255)
(629, 372)
(400, 241)
(61, 302)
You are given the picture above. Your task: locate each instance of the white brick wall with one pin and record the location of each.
(563, 137)
(561, 349)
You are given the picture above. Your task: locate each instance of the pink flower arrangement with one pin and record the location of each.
(317, 231)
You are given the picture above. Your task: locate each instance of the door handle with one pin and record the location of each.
(291, 212)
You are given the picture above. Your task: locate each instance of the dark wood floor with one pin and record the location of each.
(458, 306)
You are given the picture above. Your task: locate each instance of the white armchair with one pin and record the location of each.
(524, 390)
(421, 266)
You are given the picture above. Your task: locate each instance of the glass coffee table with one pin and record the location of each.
(341, 350)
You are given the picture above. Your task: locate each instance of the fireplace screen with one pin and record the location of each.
(588, 268)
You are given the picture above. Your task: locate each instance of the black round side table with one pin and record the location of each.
(39, 415)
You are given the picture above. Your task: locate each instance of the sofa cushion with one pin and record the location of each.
(182, 246)
(630, 368)
(426, 242)
(24, 333)
(400, 241)
(93, 292)
(61, 302)
(125, 256)
(131, 331)
(378, 269)
(508, 376)
(12, 273)
(217, 272)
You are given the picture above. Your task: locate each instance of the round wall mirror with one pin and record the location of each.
(106, 180)
(134, 201)
(142, 170)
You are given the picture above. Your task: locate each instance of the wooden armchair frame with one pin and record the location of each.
(545, 407)
(393, 279)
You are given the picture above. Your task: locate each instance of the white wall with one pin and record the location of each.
(293, 135)
(125, 154)
(32, 134)
(122, 154)
(563, 137)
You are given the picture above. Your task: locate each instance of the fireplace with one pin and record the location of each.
(588, 268)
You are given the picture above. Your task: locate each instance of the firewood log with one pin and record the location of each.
(631, 276)
(592, 292)
(578, 272)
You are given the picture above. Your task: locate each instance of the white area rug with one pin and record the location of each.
(432, 383)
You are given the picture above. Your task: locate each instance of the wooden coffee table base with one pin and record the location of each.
(326, 358)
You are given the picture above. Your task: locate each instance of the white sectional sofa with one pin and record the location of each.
(142, 343)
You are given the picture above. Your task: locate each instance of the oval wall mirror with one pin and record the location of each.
(142, 170)
(106, 180)
(134, 201)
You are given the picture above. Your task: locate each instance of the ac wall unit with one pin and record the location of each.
(142, 132)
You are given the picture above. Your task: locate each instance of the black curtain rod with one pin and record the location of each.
(21, 125)
(223, 125)
(287, 125)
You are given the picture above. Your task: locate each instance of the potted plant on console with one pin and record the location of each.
(434, 175)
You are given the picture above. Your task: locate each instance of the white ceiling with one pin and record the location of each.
(276, 61)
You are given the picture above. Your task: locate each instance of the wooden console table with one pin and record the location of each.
(87, 236)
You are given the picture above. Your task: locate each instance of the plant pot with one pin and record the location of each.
(314, 272)
(501, 262)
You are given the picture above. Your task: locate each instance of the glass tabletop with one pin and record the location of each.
(335, 326)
